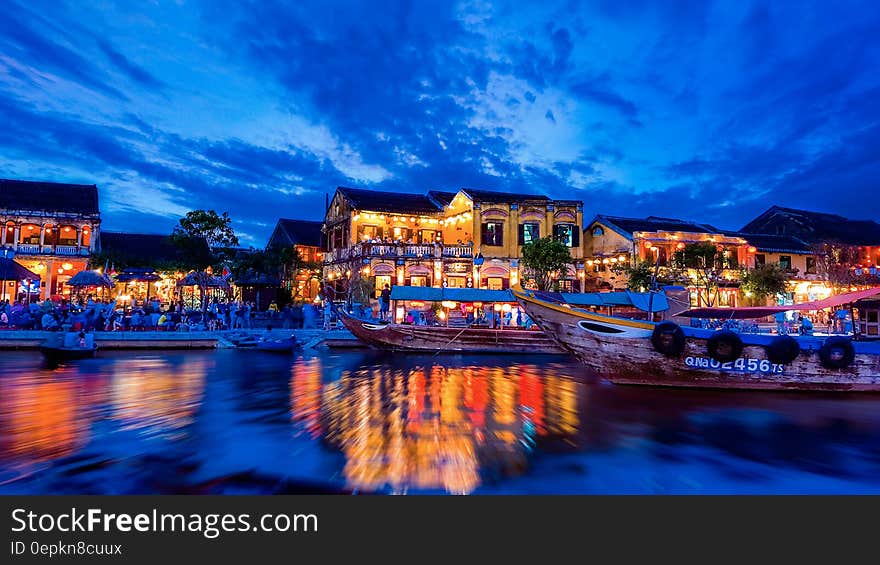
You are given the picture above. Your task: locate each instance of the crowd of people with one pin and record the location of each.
(91, 314)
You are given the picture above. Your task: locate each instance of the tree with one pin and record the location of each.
(544, 257)
(706, 263)
(835, 262)
(763, 282)
(215, 229)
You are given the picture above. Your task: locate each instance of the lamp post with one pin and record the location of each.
(8, 255)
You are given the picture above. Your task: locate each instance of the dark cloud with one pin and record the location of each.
(720, 109)
(131, 70)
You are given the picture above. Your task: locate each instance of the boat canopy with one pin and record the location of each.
(637, 300)
(749, 312)
(431, 294)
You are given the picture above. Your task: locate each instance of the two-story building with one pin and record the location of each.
(611, 242)
(470, 238)
(52, 227)
(304, 236)
(811, 236)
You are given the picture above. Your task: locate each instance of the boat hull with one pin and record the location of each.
(60, 354)
(401, 337)
(622, 352)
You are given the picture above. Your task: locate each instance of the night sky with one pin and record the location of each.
(701, 110)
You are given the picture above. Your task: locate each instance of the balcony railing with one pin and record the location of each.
(403, 251)
(37, 249)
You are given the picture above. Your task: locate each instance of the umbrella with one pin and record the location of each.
(90, 278)
(12, 271)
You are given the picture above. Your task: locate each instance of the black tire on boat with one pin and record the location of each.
(724, 346)
(668, 339)
(837, 353)
(783, 349)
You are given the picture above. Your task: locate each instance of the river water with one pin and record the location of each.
(249, 422)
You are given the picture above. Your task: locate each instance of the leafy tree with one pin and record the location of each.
(835, 262)
(706, 263)
(763, 282)
(215, 229)
(638, 277)
(544, 257)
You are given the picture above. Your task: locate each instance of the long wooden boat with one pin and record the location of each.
(627, 351)
(66, 347)
(433, 339)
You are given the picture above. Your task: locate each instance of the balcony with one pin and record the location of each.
(66, 250)
(404, 251)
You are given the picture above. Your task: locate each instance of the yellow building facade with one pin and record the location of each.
(466, 239)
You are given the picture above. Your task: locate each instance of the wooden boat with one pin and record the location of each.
(628, 351)
(434, 339)
(67, 347)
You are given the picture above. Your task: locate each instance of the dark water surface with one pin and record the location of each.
(252, 422)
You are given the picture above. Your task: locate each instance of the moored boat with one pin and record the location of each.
(69, 346)
(281, 345)
(409, 337)
(663, 353)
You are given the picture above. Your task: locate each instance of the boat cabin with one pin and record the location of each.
(867, 318)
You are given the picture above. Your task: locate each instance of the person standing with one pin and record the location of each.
(384, 302)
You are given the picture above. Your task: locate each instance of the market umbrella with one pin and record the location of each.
(90, 278)
(197, 279)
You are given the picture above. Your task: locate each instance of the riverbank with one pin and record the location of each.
(309, 338)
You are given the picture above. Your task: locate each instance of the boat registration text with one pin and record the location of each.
(741, 365)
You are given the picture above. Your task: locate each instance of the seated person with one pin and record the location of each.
(806, 326)
(137, 320)
(48, 322)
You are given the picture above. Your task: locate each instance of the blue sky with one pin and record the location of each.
(702, 110)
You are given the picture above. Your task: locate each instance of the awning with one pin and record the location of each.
(750, 312)
(12, 271)
(431, 294)
(627, 298)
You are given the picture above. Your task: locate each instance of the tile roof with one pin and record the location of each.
(442, 197)
(48, 197)
(774, 243)
(628, 226)
(815, 227)
(289, 232)
(142, 249)
(493, 197)
(380, 201)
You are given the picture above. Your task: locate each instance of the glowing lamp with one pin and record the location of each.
(679, 245)
(752, 249)
(448, 304)
(590, 263)
(622, 258)
(67, 229)
(478, 304)
(357, 217)
(60, 271)
(605, 261)
(67, 266)
(506, 308)
(497, 308)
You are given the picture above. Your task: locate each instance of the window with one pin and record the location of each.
(427, 236)
(455, 282)
(495, 283)
(417, 281)
(381, 281)
(760, 260)
(598, 231)
(529, 232)
(493, 233)
(567, 234)
(366, 233)
(811, 265)
(785, 262)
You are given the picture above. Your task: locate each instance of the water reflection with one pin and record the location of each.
(155, 397)
(249, 422)
(42, 418)
(430, 427)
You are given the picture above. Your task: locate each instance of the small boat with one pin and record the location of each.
(410, 337)
(67, 347)
(663, 353)
(282, 345)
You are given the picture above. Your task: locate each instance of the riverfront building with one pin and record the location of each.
(465, 239)
(52, 228)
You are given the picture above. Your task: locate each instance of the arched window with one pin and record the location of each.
(598, 231)
(66, 235)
